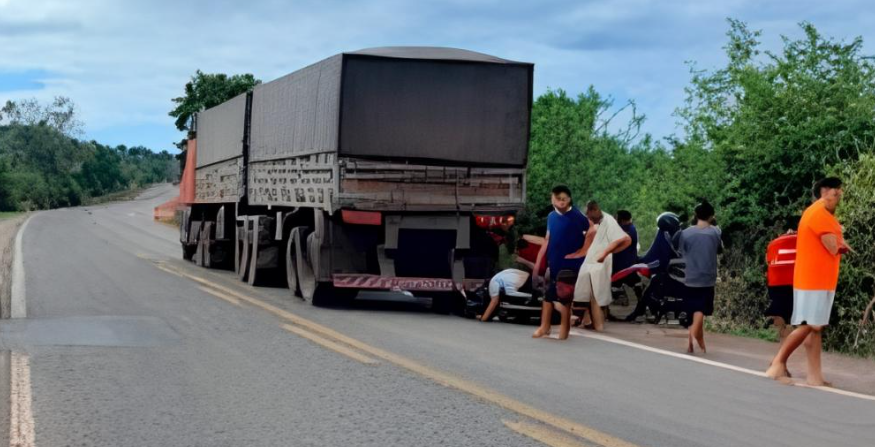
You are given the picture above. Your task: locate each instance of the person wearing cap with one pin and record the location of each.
(699, 245)
(819, 250)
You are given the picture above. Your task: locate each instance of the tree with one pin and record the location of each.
(41, 168)
(61, 114)
(41, 147)
(571, 143)
(778, 124)
(208, 90)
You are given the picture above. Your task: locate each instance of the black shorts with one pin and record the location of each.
(699, 299)
(781, 302)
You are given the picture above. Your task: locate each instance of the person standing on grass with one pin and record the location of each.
(566, 234)
(699, 246)
(819, 250)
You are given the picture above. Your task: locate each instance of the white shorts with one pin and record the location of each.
(812, 307)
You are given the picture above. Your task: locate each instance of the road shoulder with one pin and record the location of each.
(8, 232)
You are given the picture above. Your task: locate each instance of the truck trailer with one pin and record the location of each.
(387, 168)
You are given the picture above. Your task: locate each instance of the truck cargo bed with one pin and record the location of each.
(397, 186)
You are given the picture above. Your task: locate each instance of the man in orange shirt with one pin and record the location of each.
(819, 248)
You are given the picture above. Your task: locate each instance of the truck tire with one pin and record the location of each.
(188, 252)
(243, 257)
(252, 277)
(292, 265)
(305, 279)
(302, 279)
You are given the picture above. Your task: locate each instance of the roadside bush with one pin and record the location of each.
(42, 168)
(757, 134)
(857, 278)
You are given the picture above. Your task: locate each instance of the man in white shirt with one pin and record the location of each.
(594, 278)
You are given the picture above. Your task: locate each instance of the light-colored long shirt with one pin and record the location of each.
(594, 278)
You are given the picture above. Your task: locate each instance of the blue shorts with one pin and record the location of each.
(563, 291)
(557, 265)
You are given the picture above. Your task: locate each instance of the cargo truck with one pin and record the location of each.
(388, 168)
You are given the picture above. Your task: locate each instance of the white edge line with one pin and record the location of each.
(21, 426)
(18, 306)
(690, 358)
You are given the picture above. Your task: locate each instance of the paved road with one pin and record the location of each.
(130, 346)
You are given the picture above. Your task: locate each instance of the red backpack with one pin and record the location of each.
(781, 259)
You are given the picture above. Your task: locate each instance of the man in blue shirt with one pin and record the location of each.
(566, 234)
(628, 256)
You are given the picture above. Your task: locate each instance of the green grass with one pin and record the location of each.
(120, 196)
(9, 214)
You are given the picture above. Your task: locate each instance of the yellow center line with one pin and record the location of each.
(221, 295)
(543, 434)
(435, 375)
(336, 347)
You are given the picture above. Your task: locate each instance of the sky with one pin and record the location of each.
(122, 61)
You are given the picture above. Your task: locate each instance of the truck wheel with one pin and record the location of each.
(253, 251)
(243, 257)
(305, 279)
(188, 251)
(207, 245)
(292, 265)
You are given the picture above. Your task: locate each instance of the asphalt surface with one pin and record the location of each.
(123, 353)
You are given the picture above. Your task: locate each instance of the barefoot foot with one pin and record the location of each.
(541, 332)
(776, 371)
(700, 340)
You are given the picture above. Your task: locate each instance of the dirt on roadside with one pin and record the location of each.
(8, 230)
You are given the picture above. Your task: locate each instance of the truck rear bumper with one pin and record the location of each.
(369, 281)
